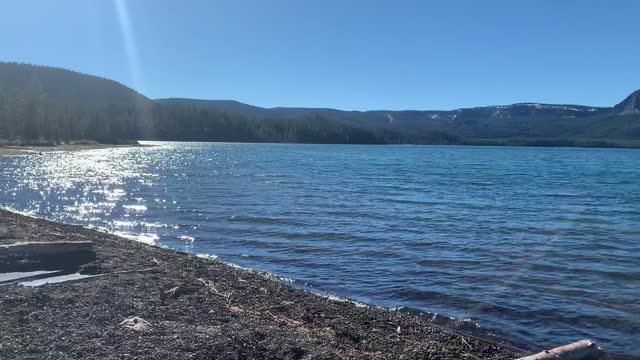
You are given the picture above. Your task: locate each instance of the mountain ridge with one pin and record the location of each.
(242, 103)
(528, 119)
(232, 102)
(630, 104)
(42, 102)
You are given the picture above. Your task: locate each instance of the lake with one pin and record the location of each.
(539, 245)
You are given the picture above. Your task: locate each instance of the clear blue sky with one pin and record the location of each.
(347, 54)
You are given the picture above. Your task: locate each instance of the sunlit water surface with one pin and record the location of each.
(540, 244)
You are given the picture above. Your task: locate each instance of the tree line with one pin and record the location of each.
(31, 117)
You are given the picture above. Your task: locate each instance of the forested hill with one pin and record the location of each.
(629, 105)
(40, 104)
(525, 120)
(65, 86)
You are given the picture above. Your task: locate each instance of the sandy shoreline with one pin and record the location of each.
(199, 309)
(10, 150)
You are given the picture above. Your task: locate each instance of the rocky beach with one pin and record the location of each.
(147, 302)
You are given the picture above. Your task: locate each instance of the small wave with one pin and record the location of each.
(27, 213)
(135, 208)
(143, 238)
(337, 298)
(185, 238)
(207, 256)
(562, 195)
(266, 220)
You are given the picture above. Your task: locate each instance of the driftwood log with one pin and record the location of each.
(581, 350)
(50, 255)
(45, 248)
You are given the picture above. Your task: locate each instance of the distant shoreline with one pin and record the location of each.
(19, 150)
(560, 142)
(25, 150)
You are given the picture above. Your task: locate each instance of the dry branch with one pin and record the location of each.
(581, 350)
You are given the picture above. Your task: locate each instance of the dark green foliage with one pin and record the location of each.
(41, 105)
(191, 123)
(34, 118)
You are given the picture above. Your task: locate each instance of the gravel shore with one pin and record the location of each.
(198, 309)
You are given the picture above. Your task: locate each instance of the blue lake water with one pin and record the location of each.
(540, 244)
